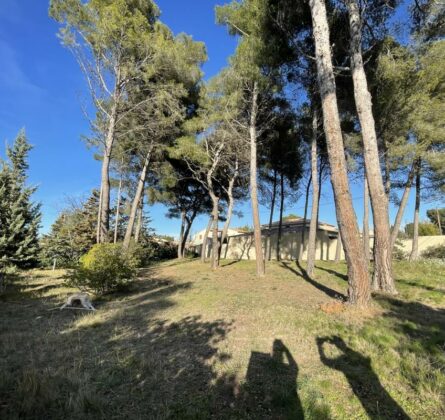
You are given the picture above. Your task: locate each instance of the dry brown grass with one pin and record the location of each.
(188, 342)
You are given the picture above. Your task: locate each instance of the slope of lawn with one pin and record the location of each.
(187, 342)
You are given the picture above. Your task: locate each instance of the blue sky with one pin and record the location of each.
(42, 89)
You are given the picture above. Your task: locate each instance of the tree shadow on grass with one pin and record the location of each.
(422, 324)
(122, 360)
(229, 263)
(169, 369)
(302, 273)
(422, 286)
(130, 359)
(172, 262)
(335, 273)
(364, 382)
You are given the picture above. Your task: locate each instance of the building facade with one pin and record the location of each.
(239, 244)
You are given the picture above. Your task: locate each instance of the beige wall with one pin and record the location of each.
(242, 247)
(424, 243)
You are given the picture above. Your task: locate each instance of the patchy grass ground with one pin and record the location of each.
(191, 343)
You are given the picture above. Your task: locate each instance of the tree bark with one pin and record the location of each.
(269, 232)
(320, 178)
(105, 199)
(280, 224)
(358, 290)
(136, 201)
(415, 249)
(138, 228)
(387, 170)
(215, 240)
(303, 231)
(383, 278)
(181, 235)
(204, 241)
(315, 198)
(366, 220)
(403, 203)
(439, 223)
(260, 268)
(229, 208)
(104, 208)
(338, 248)
(189, 223)
(99, 213)
(118, 206)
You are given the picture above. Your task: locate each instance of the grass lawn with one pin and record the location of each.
(187, 342)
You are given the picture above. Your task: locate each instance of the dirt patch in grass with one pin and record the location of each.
(188, 342)
(333, 307)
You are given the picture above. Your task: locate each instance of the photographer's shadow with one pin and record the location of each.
(271, 385)
(363, 380)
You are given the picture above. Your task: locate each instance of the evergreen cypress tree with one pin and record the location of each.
(19, 215)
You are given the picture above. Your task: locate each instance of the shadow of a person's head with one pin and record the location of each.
(282, 355)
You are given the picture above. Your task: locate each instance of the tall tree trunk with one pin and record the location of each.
(315, 197)
(140, 219)
(358, 290)
(387, 170)
(136, 201)
(215, 239)
(205, 239)
(118, 206)
(303, 231)
(439, 223)
(215, 210)
(415, 249)
(181, 234)
(231, 203)
(260, 268)
(366, 220)
(338, 248)
(188, 224)
(383, 279)
(280, 224)
(320, 178)
(105, 200)
(99, 213)
(272, 208)
(104, 207)
(402, 206)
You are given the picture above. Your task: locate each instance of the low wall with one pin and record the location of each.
(424, 243)
(242, 246)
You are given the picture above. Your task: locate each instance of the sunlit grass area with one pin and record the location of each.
(188, 342)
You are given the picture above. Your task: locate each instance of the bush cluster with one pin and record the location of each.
(398, 253)
(434, 252)
(105, 268)
(152, 251)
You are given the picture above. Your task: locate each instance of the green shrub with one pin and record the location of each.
(153, 251)
(434, 252)
(105, 268)
(398, 253)
(425, 229)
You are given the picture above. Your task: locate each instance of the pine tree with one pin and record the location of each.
(19, 215)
